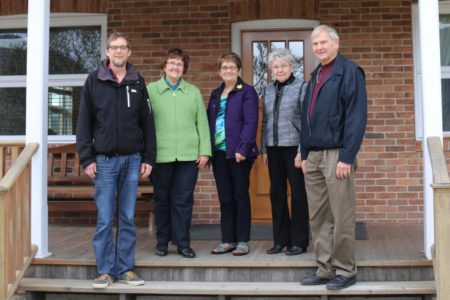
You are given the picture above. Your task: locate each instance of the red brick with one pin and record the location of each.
(375, 33)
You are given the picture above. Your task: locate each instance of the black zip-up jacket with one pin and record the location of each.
(340, 113)
(115, 118)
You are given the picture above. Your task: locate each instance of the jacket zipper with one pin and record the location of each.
(309, 126)
(174, 94)
(307, 114)
(308, 120)
(128, 96)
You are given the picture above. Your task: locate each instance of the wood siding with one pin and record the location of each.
(247, 10)
(13, 7)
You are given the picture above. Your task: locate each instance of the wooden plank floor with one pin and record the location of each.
(387, 244)
(230, 288)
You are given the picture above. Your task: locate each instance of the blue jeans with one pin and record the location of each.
(117, 179)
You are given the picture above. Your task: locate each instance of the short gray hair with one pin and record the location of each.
(281, 54)
(332, 33)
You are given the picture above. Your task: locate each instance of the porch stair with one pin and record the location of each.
(390, 266)
(197, 279)
(37, 287)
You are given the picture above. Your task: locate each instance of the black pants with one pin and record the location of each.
(288, 229)
(233, 181)
(174, 185)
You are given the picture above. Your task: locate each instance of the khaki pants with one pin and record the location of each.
(332, 211)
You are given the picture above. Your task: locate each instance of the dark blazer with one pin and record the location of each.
(241, 119)
(340, 114)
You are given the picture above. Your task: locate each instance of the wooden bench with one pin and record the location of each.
(70, 189)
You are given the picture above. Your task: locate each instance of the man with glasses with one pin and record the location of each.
(116, 144)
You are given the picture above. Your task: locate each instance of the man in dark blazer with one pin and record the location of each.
(334, 119)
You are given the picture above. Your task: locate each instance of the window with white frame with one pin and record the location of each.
(75, 48)
(444, 34)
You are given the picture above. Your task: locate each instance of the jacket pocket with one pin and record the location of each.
(335, 128)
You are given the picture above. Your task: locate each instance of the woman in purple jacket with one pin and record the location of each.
(233, 121)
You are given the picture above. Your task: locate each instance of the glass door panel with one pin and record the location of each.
(260, 53)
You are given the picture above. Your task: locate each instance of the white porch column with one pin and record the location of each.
(36, 120)
(431, 103)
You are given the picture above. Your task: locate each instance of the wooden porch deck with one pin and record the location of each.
(391, 244)
(390, 263)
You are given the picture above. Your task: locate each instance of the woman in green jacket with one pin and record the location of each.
(183, 146)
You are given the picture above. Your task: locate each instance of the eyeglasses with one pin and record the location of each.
(174, 64)
(279, 67)
(115, 48)
(228, 68)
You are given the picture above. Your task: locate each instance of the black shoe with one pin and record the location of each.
(186, 252)
(341, 282)
(161, 250)
(314, 280)
(275, 249)
(295, 250)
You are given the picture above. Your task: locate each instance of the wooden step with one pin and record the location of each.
(48, 285)
(79, 263)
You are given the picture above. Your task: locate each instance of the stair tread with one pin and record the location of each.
(228, 288)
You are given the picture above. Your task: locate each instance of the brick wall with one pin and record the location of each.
(202, 28)
(377, 34)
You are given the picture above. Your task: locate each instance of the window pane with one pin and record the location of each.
(74, 50)
(277, 45)
(444, 32)
(446, 103)
(259, 66)
(297, 50)
(71, 50)
(13, 110)
(13, 52)
(63, 105)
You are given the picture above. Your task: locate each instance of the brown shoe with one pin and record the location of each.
(131, 278)
(102, 281)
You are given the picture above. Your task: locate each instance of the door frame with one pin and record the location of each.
(270, 24)
(261, 210)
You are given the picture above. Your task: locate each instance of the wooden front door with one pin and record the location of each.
(256, 46)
